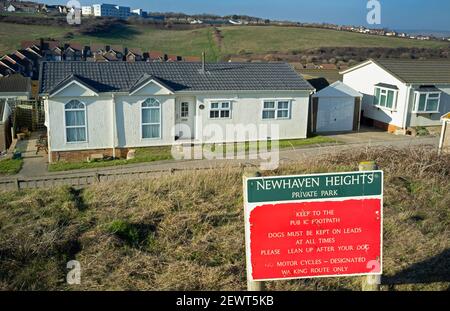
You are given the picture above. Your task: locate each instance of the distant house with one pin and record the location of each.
(11, 8)
(134, 54)
(112, 107)
(399, 94)
(174, 58)
(73, 52)
(15, 87)
(157, 56)
(191, 59)
(328, 66)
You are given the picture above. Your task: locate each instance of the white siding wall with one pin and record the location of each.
(364, 80)
(246, 109)
(128, 115)
(425, 119)
(98, 119)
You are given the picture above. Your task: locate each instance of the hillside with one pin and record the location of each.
(234, 40)
(186, 231)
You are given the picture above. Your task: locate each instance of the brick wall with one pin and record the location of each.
(82, 155)
(385, 126)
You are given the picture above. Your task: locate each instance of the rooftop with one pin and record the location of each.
(15, 83)
(178, 76)
(414, 71)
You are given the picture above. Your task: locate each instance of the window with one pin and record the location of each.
(75, 117)
(151, 118)
(220, 110)
(184, 110)
(427, 102)
(385, 98)
(276, 109)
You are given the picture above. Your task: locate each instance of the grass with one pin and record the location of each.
(149, 154)
(152, 154)
(10, 166)
(267, 39)
(192, 42)
(184, 231)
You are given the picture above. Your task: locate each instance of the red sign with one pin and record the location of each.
(316, 238)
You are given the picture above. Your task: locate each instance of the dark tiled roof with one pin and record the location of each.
(388, 86)
(418, 71)
(15, 83)
(179, 76)
(428, 88)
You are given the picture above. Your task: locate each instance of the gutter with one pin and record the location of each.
(406, 111)
(114, 127)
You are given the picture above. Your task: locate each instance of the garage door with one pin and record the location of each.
(335, 114)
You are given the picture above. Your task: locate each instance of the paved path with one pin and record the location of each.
(33, 164)
(286, 155)
(36, 165)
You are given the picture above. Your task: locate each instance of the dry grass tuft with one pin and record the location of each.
(185, 231)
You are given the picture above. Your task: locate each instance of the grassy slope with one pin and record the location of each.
(185, 231)
(255, 39)
(260, 40)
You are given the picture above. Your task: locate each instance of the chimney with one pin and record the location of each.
(203, 62)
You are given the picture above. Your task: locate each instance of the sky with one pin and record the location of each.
(395, 14)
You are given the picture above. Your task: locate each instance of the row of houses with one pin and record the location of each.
(26, 61)
(111, 107)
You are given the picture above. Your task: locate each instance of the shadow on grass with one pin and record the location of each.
(115, 31)
(433, 270)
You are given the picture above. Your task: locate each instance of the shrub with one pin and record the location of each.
(125, 231)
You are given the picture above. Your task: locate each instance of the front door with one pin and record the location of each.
(184, 118)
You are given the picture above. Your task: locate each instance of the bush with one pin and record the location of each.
(125, 231)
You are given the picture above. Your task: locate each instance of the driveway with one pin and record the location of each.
(37, 166)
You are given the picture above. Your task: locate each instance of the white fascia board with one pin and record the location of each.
(148, 82)
(68, 84)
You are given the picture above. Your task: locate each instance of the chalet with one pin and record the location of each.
(111, 107)
(134, 54)
(400, 94)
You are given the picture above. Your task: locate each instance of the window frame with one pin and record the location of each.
(84, 109)
(220, 109)
(418, 94)
(386, 90)
(276, 109)
(142, 124)
(187, 111)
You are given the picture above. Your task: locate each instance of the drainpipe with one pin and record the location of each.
(405, 113)
(114, 127)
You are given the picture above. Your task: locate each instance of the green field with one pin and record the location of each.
(261, 40)
(191, 42)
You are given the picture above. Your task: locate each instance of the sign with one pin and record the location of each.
(318, 225)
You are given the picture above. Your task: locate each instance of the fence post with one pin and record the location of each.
(252, 286)
(370, 282)
(17, 183)
(97, 177)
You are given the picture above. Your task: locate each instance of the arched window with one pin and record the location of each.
(151, 118)
(75, 116)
